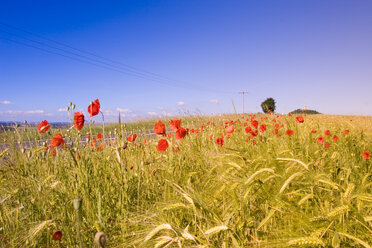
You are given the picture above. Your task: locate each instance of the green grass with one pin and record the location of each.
(286, 191)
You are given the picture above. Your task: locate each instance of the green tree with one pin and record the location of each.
(268, 104)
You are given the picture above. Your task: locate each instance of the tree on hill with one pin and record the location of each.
(268, 104)
(305, 111)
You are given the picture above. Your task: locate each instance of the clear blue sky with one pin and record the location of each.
(314, 53)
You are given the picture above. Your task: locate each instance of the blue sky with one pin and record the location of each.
(313, 53)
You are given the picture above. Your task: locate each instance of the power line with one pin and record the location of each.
(243, 93)
(80, 50)
(85, 59)
(73, 58)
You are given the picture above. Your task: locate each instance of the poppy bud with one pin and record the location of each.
(25, 122)
(73, 106)
(125, 145)
(70, 103)
(77, 203)
(57, 235)
(67, 109)
(100, 239)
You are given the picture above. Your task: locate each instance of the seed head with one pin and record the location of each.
(100, 239)
(77, 203)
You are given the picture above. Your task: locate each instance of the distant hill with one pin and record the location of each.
(6, 125)
(305, 111)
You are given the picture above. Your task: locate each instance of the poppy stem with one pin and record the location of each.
(48, 238)
(77, 205)
(103, 125)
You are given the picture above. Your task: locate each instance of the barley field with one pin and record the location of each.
(212, 181)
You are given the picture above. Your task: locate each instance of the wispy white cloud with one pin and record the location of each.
(24, 112)
(62, 110)
(165, 113)
(180, 103)
(153, 113)
(214, 101)
(6, 102)
(124, 110)
(109, 112)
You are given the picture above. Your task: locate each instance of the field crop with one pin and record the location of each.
(226, 181)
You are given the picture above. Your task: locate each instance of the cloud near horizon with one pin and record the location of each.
(24, 112)
(214, 101)
(124, 110)
(6, 102)
(180, 103)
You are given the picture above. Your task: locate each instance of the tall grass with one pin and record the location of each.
(269, 191)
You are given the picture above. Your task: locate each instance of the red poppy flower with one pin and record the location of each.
(262, 128)
(53, 152)
(321, 140)
(219, 141)
(100, 147)
(335, 138)
(230, 129)
(366, 155)
(248, 129)
(327, 132)
(93, 143)
(180, 133)
(131, 167)
(93, 108)
(299, 119)
(289, 132)
(289, 114)
(43, 127)
(254, 123)
(275, 131)
(313, 131)
(78, 120)
(99, 136)
(174, 124)
(56, 141)
(132, 138)
(326, 145)
(159, 128)
(162, 145)
(346, 131)
(57, 235)
(254, 133)
(176, 149)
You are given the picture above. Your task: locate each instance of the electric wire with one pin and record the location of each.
(132, 71)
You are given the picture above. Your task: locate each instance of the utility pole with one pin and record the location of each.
(243, 93)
